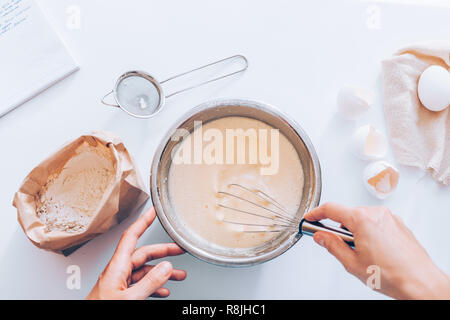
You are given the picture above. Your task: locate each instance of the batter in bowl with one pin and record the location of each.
(195, 182)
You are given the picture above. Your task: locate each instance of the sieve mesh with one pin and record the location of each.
(139, 95)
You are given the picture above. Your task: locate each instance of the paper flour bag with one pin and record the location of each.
(90, 185)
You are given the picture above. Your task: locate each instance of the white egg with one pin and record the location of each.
(368, 143)
(381, 179)
(434, 88)
(354, 102)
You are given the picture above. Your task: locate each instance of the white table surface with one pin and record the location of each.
(300, 54)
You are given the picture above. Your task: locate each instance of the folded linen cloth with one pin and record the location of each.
(419, 137)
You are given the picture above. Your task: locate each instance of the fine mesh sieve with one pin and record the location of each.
(139, 94)
(187, 239)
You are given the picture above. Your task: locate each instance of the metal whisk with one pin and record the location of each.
(277, 217)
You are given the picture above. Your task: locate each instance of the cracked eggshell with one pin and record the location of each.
(368, 143)
(434, 88)
(381, 179)
(354, 102)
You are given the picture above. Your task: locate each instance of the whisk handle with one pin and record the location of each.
(309, 228)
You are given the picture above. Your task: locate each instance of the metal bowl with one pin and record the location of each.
(192, 243)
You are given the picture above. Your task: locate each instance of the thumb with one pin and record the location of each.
(152, 281)
(338, 248)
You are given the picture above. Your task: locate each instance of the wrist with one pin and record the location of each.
(431, 284)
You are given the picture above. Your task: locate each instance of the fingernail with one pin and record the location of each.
(164, 268)
(319, 241)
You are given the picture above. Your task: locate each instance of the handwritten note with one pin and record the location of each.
(32, 56)
(12, 14)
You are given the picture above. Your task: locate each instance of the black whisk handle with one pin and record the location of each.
(311, 227)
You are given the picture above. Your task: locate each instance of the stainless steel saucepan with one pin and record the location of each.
(284, 240)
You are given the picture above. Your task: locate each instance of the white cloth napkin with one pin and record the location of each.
(420, 138)
(32, 56)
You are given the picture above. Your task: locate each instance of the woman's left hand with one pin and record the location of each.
(127, 276)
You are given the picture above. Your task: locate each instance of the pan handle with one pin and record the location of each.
(309, 228)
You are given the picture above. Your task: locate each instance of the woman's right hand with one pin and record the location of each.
(382, 243)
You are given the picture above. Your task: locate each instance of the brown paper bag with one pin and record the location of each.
(125, 194)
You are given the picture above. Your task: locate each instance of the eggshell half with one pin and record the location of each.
(354, 102)
(381, 179)
(368, 143)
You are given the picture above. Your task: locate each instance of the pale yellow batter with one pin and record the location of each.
(193, 186)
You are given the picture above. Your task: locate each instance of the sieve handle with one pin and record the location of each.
(309, 228)
(238, 56)
(109, 104)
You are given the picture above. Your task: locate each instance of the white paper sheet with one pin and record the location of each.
(32, 56)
